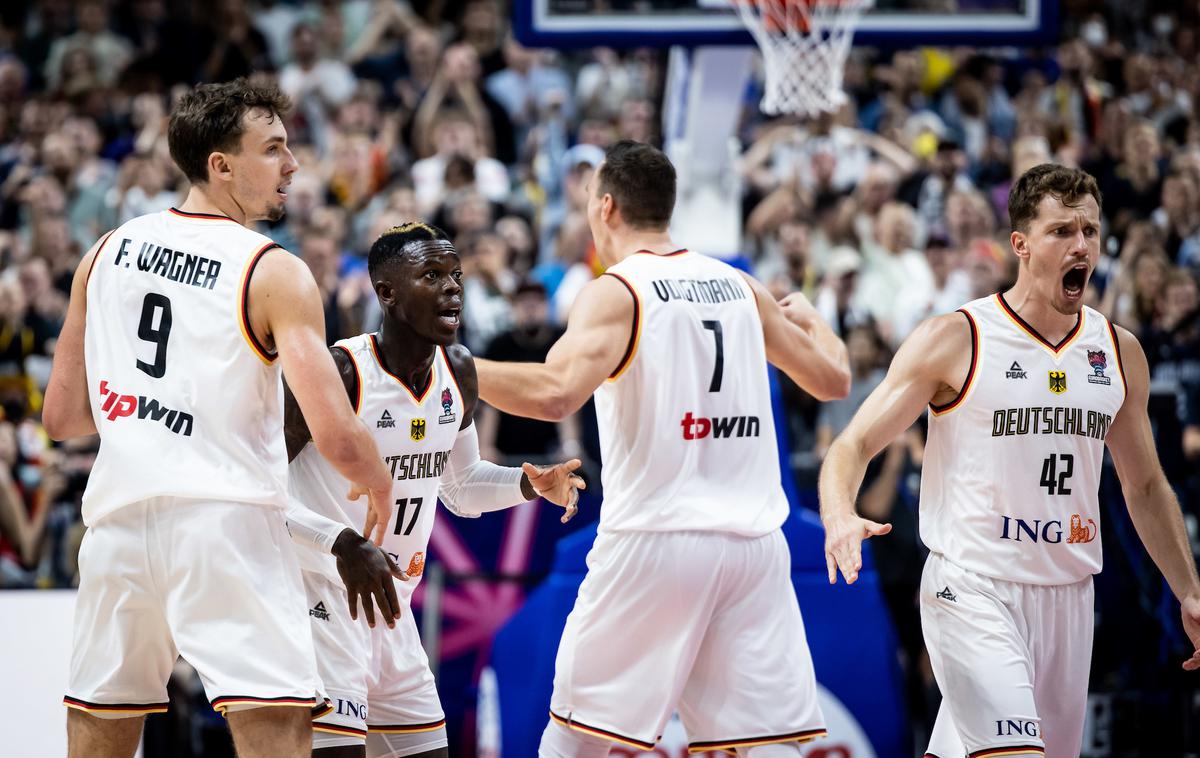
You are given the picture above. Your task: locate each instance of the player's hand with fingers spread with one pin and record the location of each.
(368, 574)
(379, 510)
(1190, 608)
(557, 484)
(844, 535)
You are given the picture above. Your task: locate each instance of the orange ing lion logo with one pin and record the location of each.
(1080, 533)
(416, 565)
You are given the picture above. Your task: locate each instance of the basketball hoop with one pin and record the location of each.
(804, 46)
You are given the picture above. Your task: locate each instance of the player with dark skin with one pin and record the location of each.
(421, 298)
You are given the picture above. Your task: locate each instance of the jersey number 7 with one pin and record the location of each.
(719, 368)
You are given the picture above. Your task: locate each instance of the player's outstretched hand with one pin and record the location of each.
(379, 510)
(1190, 608)
(367, 572)
(844, 536)
(557, 484)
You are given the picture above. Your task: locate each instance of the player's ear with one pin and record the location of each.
(219, 167)
(385, 292)
(608, 206)
(1020, 244)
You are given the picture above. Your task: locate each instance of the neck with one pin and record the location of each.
(199, 200)
(625, 244)
(405, 354)
(1037, 311)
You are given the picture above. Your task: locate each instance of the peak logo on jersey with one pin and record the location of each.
(719, 426)
(1020, 530)
(416, 430)
(447, 416)
(116, 406)
(1016, 372)
(318, 611)
(385, 421)
(1080, 533)
(1099, 362)
(1058, 382)
(946, 594)
(416, 565)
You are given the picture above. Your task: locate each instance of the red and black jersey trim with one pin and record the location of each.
(1112, 330)
(84, 705)
(223, 702)
(213, 216)
(962, 393)
(1034, 332)
(671, 254)
(96, 257)
(347, 731)
(997, 752)
(266, 355)
(357, 391)
(419, 397)
(631, 346)
(578, 725)
(428, 726)
(770, 739)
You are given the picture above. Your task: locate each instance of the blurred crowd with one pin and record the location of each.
(889, 211)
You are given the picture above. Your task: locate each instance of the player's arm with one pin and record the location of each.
(1148, 496)
(471, 486)
(802, 345)
(365, 569)
(285, 305)
(596, 339)
(931, 365)
(67, 408)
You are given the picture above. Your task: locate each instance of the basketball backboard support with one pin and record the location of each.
(890, 23)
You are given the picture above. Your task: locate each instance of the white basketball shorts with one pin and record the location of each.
(215, 582)
(1011, 660)
(703, 622)
(378, 679)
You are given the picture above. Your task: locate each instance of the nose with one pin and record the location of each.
(291, 165)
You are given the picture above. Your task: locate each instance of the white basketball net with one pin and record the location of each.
(804, 46)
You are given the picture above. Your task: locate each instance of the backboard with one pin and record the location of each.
(891, 23)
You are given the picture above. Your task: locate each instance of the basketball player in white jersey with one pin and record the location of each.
(688, 602)
(178, 326)
(417, 391)
(1024, 390)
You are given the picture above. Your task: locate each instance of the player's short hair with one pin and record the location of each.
(1067, 184)
(390, 245)
(212, 118)
(641, 180)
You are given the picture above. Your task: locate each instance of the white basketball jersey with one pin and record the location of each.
(415, 434)
(188, 404)
(1012, 466)
(686, 432)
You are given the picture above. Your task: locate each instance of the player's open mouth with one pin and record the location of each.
(281, 190)
(450, 317)
(1075, 280)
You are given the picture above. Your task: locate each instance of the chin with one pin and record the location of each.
(1068, 307)
(274, 213)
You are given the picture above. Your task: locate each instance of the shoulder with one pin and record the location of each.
(942, 340)
(1129, 353)
(462, 363)
(609, 294)
(280, 268)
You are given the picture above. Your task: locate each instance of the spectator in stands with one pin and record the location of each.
(502, 437)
